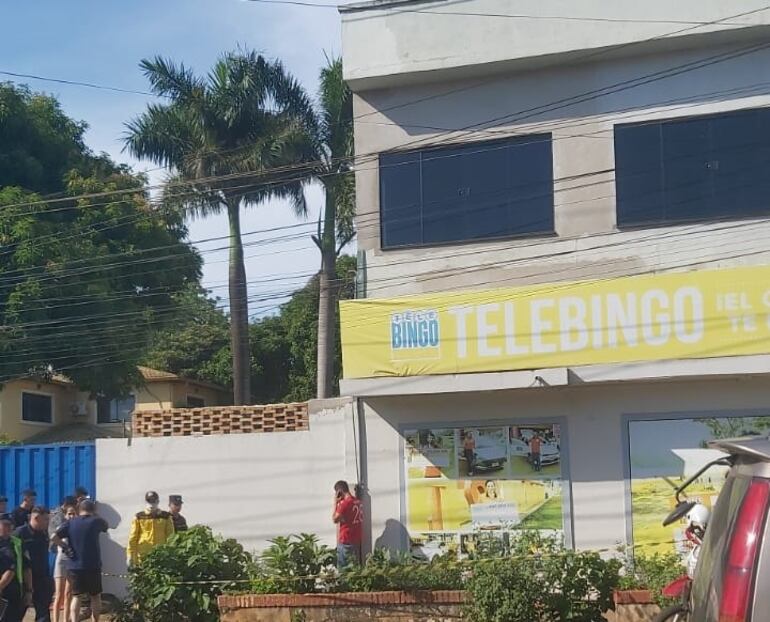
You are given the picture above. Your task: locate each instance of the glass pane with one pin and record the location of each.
(400, 200)
(37, 408)
(741, 162)
(687, 169)
(467, 192)
(638, 174)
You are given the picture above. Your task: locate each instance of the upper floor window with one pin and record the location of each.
(698, 168)
(115, 410)
(467, 192)
(36, 407)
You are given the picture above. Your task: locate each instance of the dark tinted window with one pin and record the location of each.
(467, 192)
(699, 168)
(37, 408)
(115, 410)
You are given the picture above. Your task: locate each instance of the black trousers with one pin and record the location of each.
(15, 610)
(42, 597)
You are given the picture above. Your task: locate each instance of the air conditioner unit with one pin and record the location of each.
(79, 409)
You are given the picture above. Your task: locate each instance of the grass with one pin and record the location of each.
(651, 501)
(547, 516)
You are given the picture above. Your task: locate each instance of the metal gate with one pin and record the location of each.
(52, 471)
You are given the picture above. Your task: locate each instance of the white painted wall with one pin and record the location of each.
(251, 487)
(587, 242)
(594, 434)
(386, 39)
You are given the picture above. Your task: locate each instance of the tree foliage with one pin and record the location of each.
(283, 353)
(80, 286)
(229, 136)
(39, 144)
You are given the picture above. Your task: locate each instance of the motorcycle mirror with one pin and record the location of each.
(679, 512)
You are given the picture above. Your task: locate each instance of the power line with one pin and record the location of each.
(89, 85)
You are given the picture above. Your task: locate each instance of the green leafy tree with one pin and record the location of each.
(39, 144)
(283, 352)
(199, 331)
(226, 135)
(80, 286)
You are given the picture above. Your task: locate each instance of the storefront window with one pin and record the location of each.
(468, 487)
(665, 452)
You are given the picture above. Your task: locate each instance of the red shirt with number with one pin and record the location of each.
(351, 515)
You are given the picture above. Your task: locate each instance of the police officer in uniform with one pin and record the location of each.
(175, 508)
(13, 556)
(149, 528)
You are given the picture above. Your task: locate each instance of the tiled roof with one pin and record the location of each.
(148, 373)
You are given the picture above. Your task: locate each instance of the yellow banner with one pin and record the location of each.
(654, 317)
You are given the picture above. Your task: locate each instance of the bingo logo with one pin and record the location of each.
(412, 330)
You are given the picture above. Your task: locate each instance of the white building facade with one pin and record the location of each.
(562, 215)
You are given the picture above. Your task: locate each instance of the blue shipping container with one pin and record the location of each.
(52, 471)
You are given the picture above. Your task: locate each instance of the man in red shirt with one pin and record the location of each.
(349, 516)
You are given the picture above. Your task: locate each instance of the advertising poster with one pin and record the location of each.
(663, 454)
(469, 487)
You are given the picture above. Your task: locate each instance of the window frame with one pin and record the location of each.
(653, 223)
(545, 234)
(111, 400)
(51, 396)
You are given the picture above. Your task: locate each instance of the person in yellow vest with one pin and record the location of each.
(149, 528)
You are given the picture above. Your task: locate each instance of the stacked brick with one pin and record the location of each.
(222, 420)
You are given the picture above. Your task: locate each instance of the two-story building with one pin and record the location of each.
(562, 215)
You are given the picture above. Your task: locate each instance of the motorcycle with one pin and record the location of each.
(696, 516)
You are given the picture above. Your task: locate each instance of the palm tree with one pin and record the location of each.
(227, 139)
(334, 150)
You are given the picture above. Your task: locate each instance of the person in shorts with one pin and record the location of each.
(63, 593)
(80, 539)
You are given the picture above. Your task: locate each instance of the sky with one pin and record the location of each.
(102, 42)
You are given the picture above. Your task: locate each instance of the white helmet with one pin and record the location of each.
(699, 516)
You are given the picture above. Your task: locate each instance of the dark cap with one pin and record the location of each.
(152, 497)
(28, 493)
(80, 491)
(175, 499)
(3, 499)
(40, 509)
(6, 518)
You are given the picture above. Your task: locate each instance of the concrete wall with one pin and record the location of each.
(422, 38)
(588, 243)
(251, 487)
(594, 434)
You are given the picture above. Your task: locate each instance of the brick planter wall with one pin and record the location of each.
(439, 606)
(222, 420)
(634, 606)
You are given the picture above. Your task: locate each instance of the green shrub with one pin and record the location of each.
(652, 572)
(384, 571)
(291, 565)
(541, 581)
(161, 586)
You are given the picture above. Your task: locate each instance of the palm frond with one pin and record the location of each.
(168, 79)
